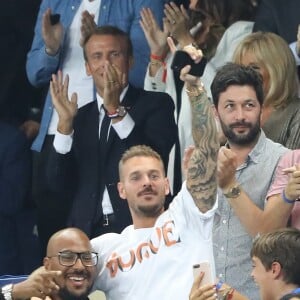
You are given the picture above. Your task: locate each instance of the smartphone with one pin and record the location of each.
(181, 59)
(54, 19)
(206, 269)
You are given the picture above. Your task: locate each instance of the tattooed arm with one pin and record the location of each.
(201, 173)
(202, 167)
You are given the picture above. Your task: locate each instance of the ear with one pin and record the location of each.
(215, 111)
(87, 69)
(46, 263)
(130, 62)
(167, 186)
(276, 270)
(121, 190)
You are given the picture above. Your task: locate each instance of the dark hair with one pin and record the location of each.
(235, 74)
(109, 30)
(290, 296)
(216, 16)
(282, 246)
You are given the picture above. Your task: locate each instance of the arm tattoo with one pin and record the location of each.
(201, 176)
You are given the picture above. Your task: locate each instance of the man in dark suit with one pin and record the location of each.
(85, 156)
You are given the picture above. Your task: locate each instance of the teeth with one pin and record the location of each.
(76, 278)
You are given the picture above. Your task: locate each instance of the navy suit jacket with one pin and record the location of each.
(153, 114)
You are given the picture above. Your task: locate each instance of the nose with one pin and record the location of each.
(146, 181)
(78, 264)
(239, 113)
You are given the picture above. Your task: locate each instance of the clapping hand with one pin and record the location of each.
(177, 23)
(52, 34)
(66, 109)
(88, 25)
(292, 189)
(156, 38)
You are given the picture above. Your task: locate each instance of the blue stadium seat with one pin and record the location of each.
(6, 279)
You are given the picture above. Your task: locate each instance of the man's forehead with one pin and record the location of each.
(72, 242)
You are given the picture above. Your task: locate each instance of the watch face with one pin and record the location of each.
(121, 111)
(234, 192)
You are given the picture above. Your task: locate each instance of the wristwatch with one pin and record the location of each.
(234, 192)
(120, 112)
(6, 291)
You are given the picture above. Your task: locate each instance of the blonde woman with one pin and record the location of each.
(270, 55)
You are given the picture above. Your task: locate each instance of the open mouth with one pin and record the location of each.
(77, 279)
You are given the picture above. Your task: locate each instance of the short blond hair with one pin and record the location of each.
(139, 151)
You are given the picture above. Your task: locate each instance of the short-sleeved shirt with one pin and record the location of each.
(281, 179)
(232, 242)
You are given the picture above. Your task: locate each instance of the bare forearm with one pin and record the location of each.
(256, 220)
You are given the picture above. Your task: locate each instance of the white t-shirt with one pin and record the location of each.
(156, 263)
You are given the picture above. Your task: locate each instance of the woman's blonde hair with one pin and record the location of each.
(274, 54)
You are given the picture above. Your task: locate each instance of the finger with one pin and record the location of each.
(74, 98)
(289, 170)
(184, 12)
(151, 18)
(175, 9)
(171, 44)
(148, 17)
(184, 72)
(170, 13)
(65, 87)
(59, 79)
(197, 281)
(46, 17)
(166, 26)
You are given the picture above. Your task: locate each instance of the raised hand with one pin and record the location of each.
(52, 34)
(227, 164)
(177, 23)
(88, 25)
(292, 189)
(156, 38)
(66, 109)
(114, 81)
(196, 55)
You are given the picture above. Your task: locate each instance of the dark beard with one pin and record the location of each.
(242, 139)
(64, 294)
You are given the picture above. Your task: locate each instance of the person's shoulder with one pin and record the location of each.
(156, 98)
(265, 146)
(290, 158)
(112, 236)
(239, 28)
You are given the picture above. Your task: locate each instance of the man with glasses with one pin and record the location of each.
(68, 273)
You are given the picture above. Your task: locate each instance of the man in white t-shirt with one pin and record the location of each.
(154, 257)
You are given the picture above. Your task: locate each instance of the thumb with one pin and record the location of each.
(171, 44)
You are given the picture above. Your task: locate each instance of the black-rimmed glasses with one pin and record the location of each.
(69, 258)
